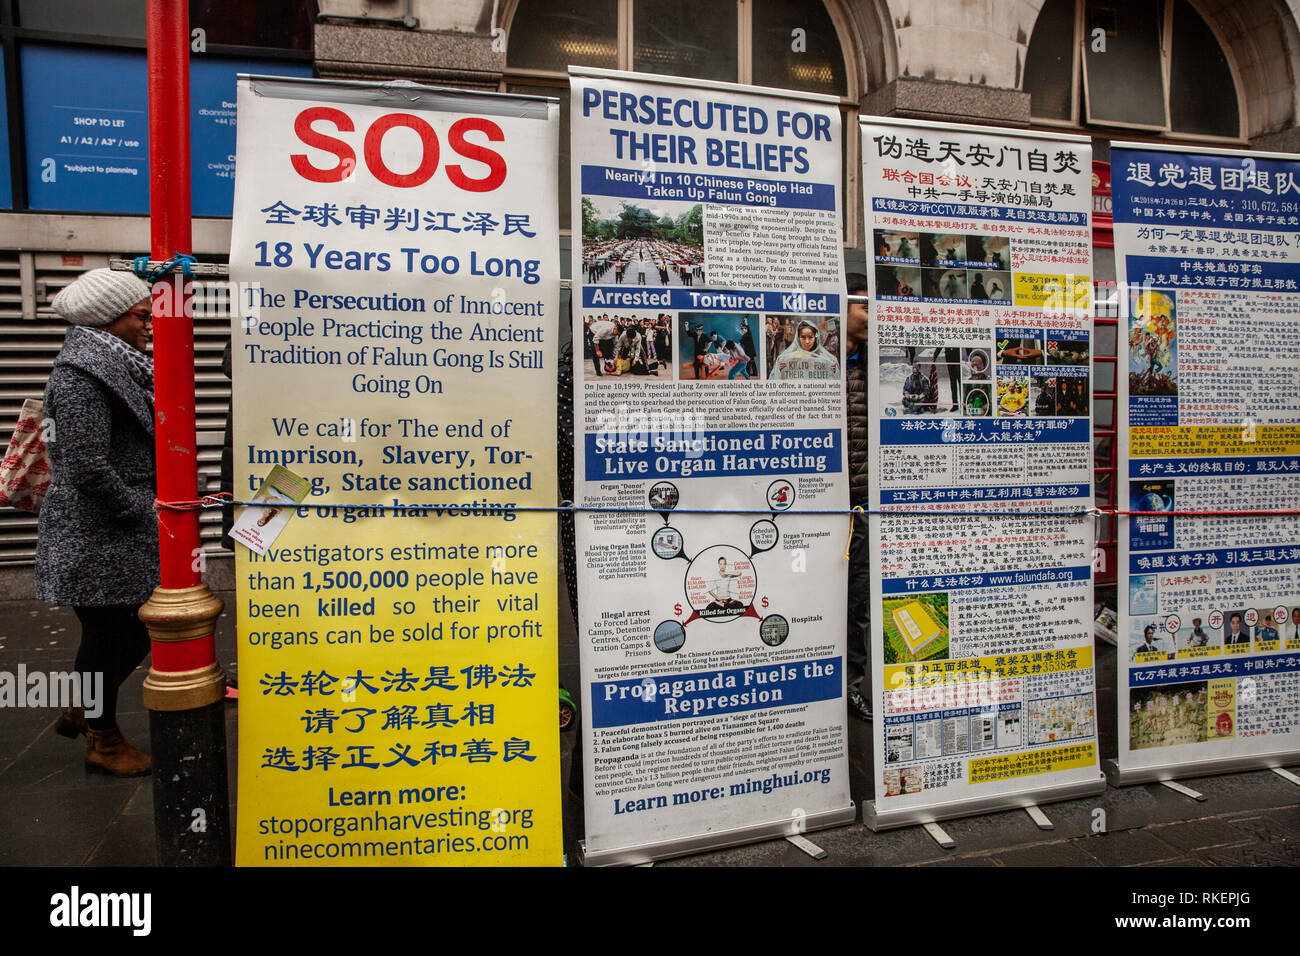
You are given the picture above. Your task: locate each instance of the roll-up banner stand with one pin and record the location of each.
(1207, 247)
(396, 288)
(981, 469)
(710, 466)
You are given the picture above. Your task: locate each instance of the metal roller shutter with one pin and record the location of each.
(30, 338)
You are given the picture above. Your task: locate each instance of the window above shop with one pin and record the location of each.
(787, 44)
(1154, 65)
(270, 24)
(548, 35)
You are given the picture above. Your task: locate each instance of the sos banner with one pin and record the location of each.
(981, 467)
(1207, 247)
(393, 250)
(709, 402)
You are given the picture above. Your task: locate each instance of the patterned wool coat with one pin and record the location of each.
(859, 428)
(98, 541)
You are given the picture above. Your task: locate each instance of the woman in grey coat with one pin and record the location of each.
(98, 544)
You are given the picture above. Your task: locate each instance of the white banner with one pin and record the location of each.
(708, 289)
(980, 355)
(1207, 248)
(394, 255)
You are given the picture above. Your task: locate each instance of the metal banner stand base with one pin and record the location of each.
(1118, 776)
(807, 846)
(940, 836)
(1184, 790)
(718, 840)
(1040, 818)
(1287, 775)
(878, 820)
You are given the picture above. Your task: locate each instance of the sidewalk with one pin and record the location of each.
(53, 813)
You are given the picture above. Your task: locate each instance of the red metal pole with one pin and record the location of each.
(169, 221)
(176, 441)
(185, 687)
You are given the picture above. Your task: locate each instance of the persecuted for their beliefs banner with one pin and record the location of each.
(981, 466)
(1207, 249)
(709, 397)
(394, 253)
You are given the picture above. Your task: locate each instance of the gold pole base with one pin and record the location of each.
(182, 614)
(184, 690)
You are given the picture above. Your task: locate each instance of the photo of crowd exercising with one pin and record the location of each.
(627, 244)
(628, 345)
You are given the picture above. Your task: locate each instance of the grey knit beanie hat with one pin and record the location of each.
(99, 296)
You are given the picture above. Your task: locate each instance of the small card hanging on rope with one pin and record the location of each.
(258, 525)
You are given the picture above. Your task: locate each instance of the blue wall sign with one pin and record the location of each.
(85, 113)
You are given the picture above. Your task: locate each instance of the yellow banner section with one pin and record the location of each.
(1221, 709)
(1031, 763)
(399, 693)
(1150, 657)
(397, 641)
(1053, 291)
(988, 668)
(1212, 441)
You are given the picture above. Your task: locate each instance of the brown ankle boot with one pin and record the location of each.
(72, 723)
(107, 751)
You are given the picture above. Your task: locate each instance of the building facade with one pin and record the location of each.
(73, 180)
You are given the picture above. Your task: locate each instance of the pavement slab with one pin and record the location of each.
(1129, 848)
(1009, 828)
(56, 829)
(1201, 834)
(1253, 854)
(128, 841)
(1047, 854)
(1288, 817)
(975, 859)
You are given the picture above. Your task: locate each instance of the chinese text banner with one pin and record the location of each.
(980, 356)
(1207, 249)
(393, 253)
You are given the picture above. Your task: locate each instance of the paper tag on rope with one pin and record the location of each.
(258, 527)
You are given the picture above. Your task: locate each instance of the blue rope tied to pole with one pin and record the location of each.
(140, 266)
(225, 500)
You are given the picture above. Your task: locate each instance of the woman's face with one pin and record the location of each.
(135, 325)
(807, 338)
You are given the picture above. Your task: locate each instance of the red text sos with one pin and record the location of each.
(314, 126)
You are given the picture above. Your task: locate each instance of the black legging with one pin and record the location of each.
(113, 643)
